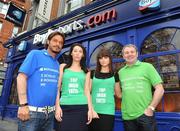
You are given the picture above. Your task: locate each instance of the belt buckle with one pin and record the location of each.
(47, 109)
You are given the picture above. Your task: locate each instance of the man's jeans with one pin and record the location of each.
(39, 121)
(142, 123)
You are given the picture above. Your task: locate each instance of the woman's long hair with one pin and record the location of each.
(83, 59)
(104, 53)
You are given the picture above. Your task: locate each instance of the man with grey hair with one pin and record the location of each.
(138, 103)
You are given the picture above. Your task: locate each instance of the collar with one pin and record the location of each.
(45, 52)
(136, 64)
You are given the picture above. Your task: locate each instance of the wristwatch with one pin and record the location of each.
(22, 105)
(152, 108)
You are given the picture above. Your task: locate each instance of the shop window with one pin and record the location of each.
(13, 99)
(71, 5)
(162, 40)
(165, 40)
(168, 69)
(3, 8)
(114, 48)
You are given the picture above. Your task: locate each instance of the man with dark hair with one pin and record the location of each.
(37, 83)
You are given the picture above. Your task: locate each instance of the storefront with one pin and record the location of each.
(155, 30)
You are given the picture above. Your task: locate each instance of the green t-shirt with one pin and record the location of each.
(73, 88)
(103, 95)
(136, 83)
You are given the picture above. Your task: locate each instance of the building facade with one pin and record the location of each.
(8, 29)
(154, 29)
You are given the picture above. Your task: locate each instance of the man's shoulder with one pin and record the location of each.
(146, 64)
(122, 69)
(36, 51)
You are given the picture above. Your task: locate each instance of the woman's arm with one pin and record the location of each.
(87, 93)
(117, 90)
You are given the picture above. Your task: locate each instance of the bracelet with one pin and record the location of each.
(22, 105)
(152, 108)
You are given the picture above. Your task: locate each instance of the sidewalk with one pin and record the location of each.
(8, 125)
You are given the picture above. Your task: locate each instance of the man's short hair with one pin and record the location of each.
(129, 45)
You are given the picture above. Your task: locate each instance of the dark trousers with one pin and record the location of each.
(142, 123)
(104, 123)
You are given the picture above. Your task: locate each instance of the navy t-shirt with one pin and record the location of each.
(42, 71)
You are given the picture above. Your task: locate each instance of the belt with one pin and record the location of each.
(46, 109)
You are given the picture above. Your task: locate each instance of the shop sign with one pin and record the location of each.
(101, 18)
(67, 29)
(92, 22)
(15, 15)
(44, 10)
(149, 5)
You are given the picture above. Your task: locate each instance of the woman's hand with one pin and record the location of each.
(95, 115)
(89, 117)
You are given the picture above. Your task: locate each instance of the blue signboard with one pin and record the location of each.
(149, 5)
(15, 15)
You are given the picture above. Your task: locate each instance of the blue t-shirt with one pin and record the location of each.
(42, 71)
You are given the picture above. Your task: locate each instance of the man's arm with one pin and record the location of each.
(21, 88)
(158, 93)
(23, 111)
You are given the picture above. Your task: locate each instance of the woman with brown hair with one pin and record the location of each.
(104, 85)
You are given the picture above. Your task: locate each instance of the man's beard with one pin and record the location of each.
(56, 52)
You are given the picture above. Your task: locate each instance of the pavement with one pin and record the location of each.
(8, 125)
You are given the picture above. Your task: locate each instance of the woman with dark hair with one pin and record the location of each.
(104, 85)
(74, 108)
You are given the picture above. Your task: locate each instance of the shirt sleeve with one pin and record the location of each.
(29, 64)
(116, 77)
(154, 76)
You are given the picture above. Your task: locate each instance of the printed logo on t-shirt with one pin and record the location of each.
(48, 75)
(136, 86)
(73, 86)
(101, 96)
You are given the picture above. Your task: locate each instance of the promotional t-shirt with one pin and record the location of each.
(73, 84)
(42, 71)
(136, 83)
(103, 95)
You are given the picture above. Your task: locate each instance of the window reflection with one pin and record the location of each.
(162, 40)
(167, 63)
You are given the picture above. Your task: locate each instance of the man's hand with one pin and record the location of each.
(23, 113)
(148, 112)
(58, 113)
